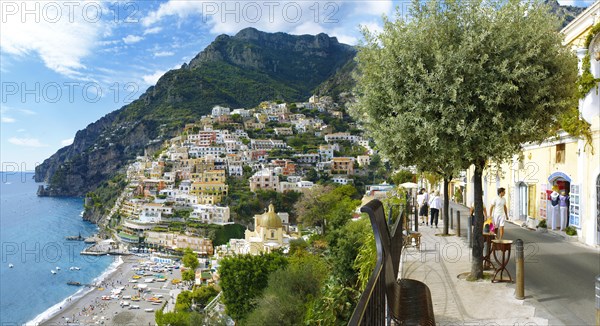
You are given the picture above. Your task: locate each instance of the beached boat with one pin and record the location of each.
(135, 298)
(161, 280)
(135, 277)
(149, 310)
(105, 297)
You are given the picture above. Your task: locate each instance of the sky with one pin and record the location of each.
(65, 64)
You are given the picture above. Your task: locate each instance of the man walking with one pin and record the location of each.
(499, 212)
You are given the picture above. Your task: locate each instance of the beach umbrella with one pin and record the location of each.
(409, 185)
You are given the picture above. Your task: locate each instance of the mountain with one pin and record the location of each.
(565, 13)
(234, 71)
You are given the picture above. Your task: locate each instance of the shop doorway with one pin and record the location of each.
(523, 193)
(560, 182)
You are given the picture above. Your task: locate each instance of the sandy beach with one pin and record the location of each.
(91, 309)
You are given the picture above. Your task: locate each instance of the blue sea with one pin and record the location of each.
(32, 234)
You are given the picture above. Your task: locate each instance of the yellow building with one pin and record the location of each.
(209, 176)
(564, 162)
(209, 192)
(268, 233)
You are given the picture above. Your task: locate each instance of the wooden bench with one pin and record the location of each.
(409, 301)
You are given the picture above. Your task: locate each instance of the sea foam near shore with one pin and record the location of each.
(55, 309)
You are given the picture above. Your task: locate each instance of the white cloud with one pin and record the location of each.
(131, 39)
(27, 112)
(63, 37)
(373, 26)
(336, 18)
(153, 78)
(4, 111)
(164, 54)
(153, 30)
(27, 142)
(174, 8)
(21, 130)
(66, 142)
(376, 8)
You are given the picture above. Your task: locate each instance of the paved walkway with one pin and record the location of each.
(457, 301)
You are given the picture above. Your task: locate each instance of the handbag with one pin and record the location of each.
(488, 226)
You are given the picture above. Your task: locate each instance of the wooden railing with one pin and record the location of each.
(371, 308)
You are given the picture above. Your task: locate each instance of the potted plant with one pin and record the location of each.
(542, 227)
(570, 233)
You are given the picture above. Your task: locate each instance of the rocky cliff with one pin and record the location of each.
(235, 71)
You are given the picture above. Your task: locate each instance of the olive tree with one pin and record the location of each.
(457, 83)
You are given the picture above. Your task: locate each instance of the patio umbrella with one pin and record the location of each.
(409, 185)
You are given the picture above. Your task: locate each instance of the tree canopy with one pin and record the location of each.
(243, 279)
(463, 82)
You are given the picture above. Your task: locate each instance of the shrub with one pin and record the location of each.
(542, 224)
(569, 230)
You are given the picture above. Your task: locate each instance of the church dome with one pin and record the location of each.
(270, 219)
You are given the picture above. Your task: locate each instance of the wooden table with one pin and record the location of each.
(409, 237)
(487, 262)
(503, 246)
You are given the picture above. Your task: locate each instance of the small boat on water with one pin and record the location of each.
(11, 265)
(75, 237)
(57, 268)
(73, 283)
(74, 268)
(53, 272)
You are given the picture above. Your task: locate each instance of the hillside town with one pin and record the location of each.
(186, 182)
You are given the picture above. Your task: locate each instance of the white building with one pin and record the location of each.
(267, 144)
(287, 186)
(363, 160)
(326, 152)
(210, 214)
(341, 136)
(153, 212)
(265, 179)
(242, 112)
(199, 151)
(307, 158)
(218, 111)
(342, 180)
(235, 168)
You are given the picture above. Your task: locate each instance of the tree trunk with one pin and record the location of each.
(446, 203)
(477, 261)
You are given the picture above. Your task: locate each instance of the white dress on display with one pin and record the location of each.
(555, 212)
